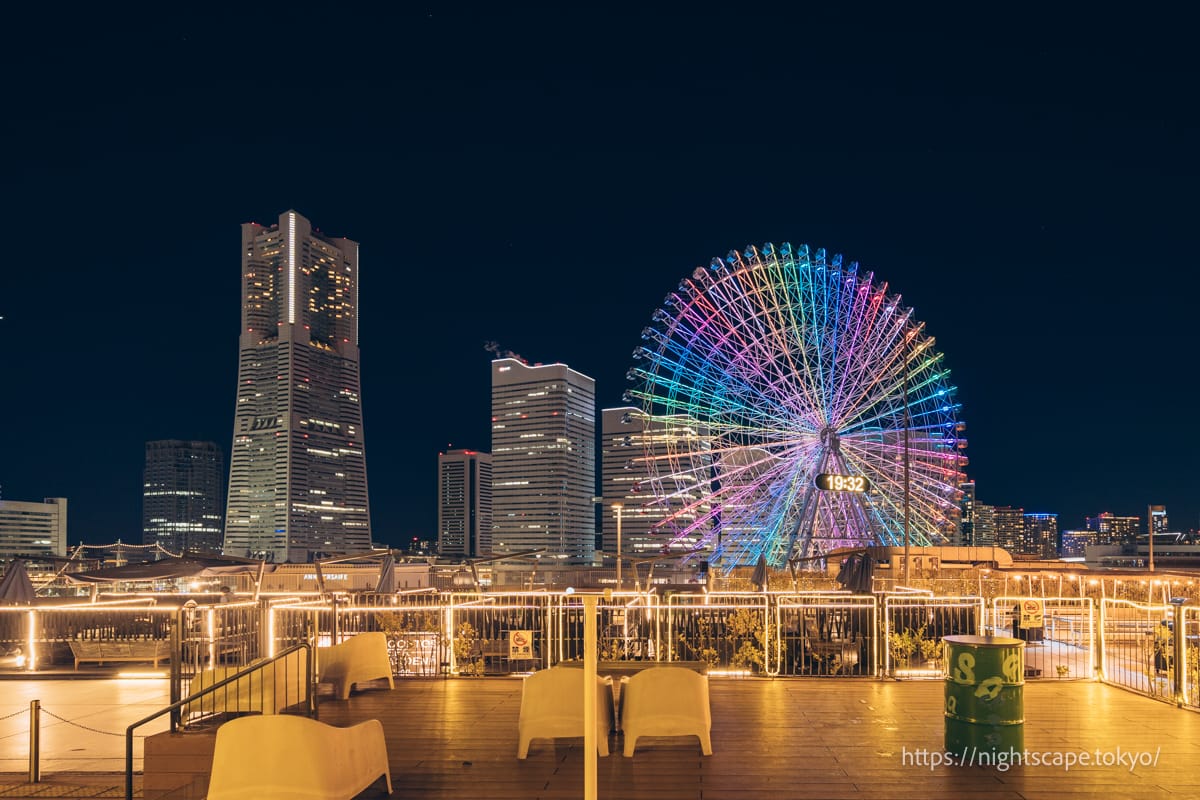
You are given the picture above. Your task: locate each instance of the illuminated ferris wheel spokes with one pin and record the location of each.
(783, 365)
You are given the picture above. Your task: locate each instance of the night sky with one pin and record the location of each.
(543, 179)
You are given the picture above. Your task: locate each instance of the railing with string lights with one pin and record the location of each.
(1062, 643)
(1098, 627)
(912, 628)
(730, 632)
(826, 634)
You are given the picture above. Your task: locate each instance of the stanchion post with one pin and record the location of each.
(1179, 654)
(35, 736)
(590, 759)
(176, 666)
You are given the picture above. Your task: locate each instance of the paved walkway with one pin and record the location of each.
(83, 722)
(785, 738)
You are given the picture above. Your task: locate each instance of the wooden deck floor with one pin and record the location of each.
(785, 738)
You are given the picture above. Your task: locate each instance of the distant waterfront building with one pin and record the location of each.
(464, 503)
(629, 442)
(966, 506)
(543, 460)
(1075, 543)
(183, 496)
(33, 529)
(984, 525)
(1010, 528)
(1113, 530)
(1041, 535)
(298, 472)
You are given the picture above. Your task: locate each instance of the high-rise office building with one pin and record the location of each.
(183, 496)
(1009, 528)
(1041, 535)
(464, 503)
(298, 473)
(543, 460)
(629, 443)
(33, 529)
(1113, 530)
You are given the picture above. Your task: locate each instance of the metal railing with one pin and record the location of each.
(728, 631)
(817, 634)
(1137, 646)
(628, 628)
(224, 634)
(503, 632)
(253, 689)
(1190, 674)
(1062, 646)
(35, 637)
(826, 634)
(1151, 649)
(913, 627)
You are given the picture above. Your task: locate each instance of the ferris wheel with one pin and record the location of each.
(797, 407)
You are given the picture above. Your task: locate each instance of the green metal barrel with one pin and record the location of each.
(985, 704)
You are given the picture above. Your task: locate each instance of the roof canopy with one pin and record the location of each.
(168, 568)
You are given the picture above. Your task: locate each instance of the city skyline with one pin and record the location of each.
(1025, 191)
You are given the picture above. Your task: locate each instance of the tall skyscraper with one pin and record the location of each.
(543, 460)
(298, 473)
(183, 496)
(33, 529)
(629, 442)
(464, 503)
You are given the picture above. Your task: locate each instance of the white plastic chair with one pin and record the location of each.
(666, 701)
(552, 708)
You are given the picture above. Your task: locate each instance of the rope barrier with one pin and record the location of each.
(85, 727)
(15, 714)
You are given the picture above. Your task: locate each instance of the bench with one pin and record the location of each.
(296, 757)
(99, 650)
(360, 658)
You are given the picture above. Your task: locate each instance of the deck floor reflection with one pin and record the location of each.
(786, 738)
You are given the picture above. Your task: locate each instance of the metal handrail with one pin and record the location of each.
(310, 708)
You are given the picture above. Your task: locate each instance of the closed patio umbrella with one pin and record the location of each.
(759, 578)
(387, 576)
(15, 586)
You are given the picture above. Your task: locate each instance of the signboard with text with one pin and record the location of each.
(520, 644)
(1033, 613)
(414, 653)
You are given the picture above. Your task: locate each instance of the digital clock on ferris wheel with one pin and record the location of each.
(830, 482)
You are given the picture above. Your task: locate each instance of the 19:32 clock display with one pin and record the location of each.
(832, 482)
